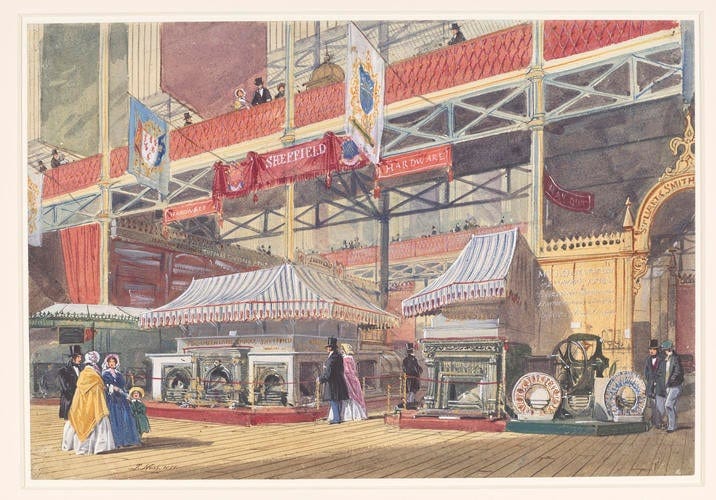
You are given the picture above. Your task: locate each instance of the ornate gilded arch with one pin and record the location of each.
(681, 177)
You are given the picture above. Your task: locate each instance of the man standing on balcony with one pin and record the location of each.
(262, 94)
(457, 36)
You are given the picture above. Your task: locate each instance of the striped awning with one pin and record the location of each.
(288, 291)
(479, 272)
(100, 315)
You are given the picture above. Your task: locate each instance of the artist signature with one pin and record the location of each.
(153, 467)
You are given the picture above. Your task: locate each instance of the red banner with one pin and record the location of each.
(578, 201)
(189, 210)
(297, 163)
(415, 162)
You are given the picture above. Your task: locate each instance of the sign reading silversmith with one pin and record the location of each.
(536, 396)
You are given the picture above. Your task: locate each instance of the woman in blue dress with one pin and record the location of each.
(124, 427)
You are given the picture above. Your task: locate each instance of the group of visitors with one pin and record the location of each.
(664, 377)
(261, 94)
(100, 415)
(341, 387)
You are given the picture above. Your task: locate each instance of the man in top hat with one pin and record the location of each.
(56, 160)
(412, 370)
(457, 36)
(669, 379)
(651, 366)
(334, 389)
(68, 376)
(262, 94)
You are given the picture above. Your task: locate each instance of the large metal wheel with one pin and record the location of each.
(571, 365)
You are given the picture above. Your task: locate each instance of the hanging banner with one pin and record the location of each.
(365, 93)
(577, 201)
(414, 162)
(298, 163)
(148, 147)
(189, 210)
(34, 207)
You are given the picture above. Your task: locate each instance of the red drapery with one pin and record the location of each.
(80, 250)
(301, 162)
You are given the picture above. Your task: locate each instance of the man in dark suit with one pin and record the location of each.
(457, 36)
(669, 379)
(68, 376)
(262, 94)
(651, 366)
(334, 388)
(412, 370)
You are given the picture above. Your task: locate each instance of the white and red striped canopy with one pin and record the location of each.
(479, 272)
(288, 291)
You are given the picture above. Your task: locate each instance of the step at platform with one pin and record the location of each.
(583, 427)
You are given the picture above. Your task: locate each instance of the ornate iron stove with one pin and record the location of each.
(469, 376)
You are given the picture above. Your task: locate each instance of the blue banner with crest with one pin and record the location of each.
(148, 147)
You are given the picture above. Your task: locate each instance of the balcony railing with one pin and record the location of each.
(476, 59)
(427, 246)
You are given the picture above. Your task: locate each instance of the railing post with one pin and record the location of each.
(404, 389)
(318, 394)
(387, 392)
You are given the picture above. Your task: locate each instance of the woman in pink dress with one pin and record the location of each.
(354, 408)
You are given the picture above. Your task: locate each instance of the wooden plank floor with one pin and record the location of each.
(180, 449)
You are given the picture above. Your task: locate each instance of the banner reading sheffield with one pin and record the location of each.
(578, 201)
(365, 91)
(148, 147)
(297, 163)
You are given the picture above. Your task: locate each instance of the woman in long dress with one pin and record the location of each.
(124, 427)
(354, 408)
(87, 429)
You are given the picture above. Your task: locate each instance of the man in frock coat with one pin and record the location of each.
(262, 94)
(669, 379)
(68, 375)
(412, 370)
(651, 366)
(334, 388)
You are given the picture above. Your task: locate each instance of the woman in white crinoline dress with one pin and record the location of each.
(88, 430)
(353, 408)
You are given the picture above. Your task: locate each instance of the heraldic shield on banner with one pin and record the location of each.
(365, 81)
(148, 148)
